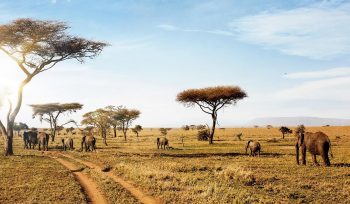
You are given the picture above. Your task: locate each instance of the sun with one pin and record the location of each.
(10, 76)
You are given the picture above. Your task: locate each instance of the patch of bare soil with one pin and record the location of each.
(137, 193)
(94, 195)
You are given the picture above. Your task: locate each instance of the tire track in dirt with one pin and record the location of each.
(94, 195)
(138, 194)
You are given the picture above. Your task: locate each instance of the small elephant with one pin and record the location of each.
(30, 139)
(254, 147)
(316, 143)
(43, 140)
(67, 143)
(162, 143)
(89, 142)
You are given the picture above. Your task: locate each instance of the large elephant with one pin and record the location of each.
(89, 142)
(254, 147)
(30, 139)
(43, 140)
(67, 143)
(162, 143)
(316, 143)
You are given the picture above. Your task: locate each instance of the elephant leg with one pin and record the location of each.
(303, 153)
(315, 160)
(326, 159)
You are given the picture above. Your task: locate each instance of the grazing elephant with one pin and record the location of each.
(67, 143)
(162, 143)
(89, 142)
(316, 143)
(30, 139)
(43, 140)
(254, 147)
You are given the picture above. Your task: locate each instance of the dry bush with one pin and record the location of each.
(203, 135)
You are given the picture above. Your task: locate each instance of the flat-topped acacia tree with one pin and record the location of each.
(211, 100)
(125, 117)
(37, 46)
(50, 112)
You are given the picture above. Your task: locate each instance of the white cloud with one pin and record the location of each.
(325, 89)
(168, 27)
(318, 32)
(335, 72)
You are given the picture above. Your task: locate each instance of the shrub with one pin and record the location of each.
(203, 135)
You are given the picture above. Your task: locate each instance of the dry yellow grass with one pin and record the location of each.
(222, 173)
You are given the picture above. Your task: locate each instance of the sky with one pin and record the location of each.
(291, 57)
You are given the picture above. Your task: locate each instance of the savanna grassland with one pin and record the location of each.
(191, 172)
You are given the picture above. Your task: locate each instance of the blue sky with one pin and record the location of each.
(292, 57)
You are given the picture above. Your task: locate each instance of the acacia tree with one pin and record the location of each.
(137, 129)
(99, 119)
(211, 100)
(50, 112)
(285, 130)
(37, 46)
(111, 112)
(125, 117)
(163, 131)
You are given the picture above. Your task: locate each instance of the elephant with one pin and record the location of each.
(316, 143)
(254, 147)
(67, 143)
(89, 142)
(43, 139)
(25, 140)
(162, 143)
(30, 139)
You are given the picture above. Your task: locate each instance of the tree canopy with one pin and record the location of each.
(99, 119)
(37, 45)
(211, 100)
(50, 112)
(137, 129)
(285, 130)
(126, 117)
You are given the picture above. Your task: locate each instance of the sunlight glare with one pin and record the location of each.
(10, 77)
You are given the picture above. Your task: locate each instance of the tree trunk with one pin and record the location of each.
(282, 135)
(211, 136)
(104, 140)
(104, 136)
(8, 141)
(124, 132)
(11, 119)
(115, 131)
